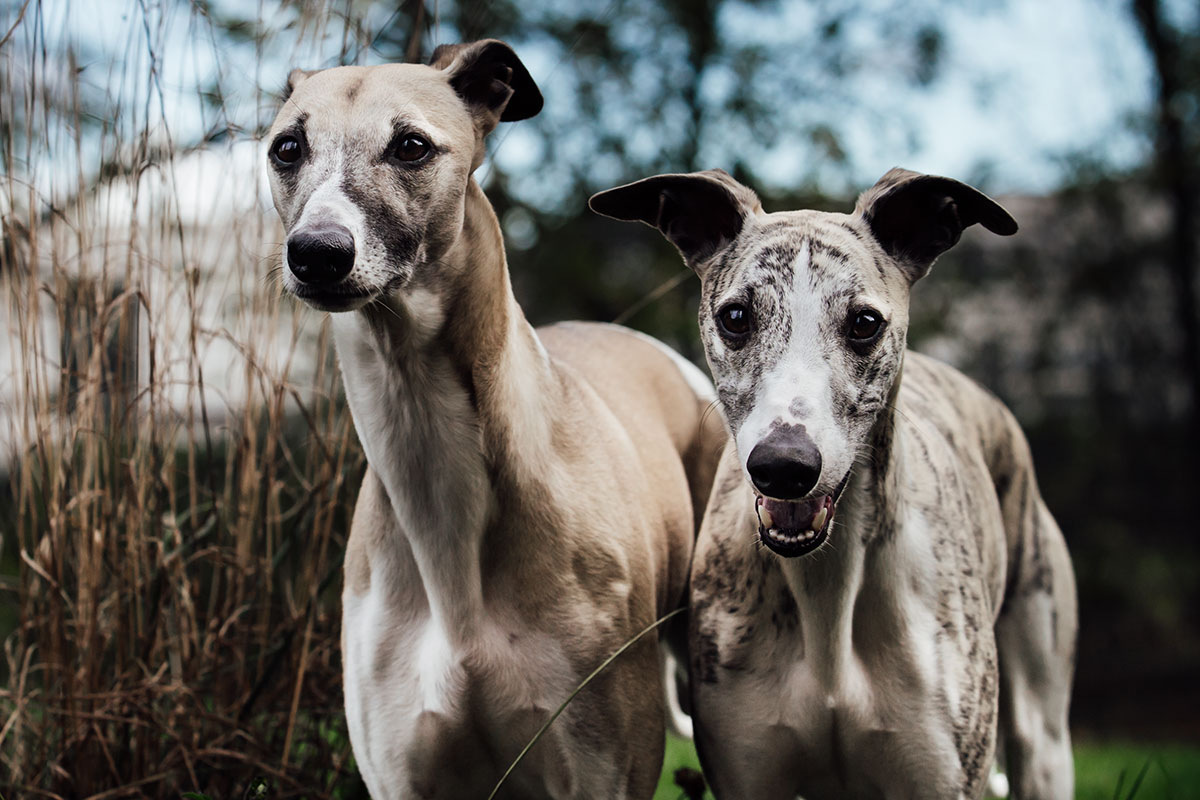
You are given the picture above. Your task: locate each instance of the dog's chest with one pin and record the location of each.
(429, 716)
(858, 718)
(865, 662)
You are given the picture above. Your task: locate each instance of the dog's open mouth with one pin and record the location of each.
(796, 528)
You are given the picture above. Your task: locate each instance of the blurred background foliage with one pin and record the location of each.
(169, 551)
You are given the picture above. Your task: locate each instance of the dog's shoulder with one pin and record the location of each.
(967, 414)
(936, 386)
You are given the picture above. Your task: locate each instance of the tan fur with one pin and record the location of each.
(532, 496)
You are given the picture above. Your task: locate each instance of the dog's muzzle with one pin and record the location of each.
(320, 258)
(784, 468)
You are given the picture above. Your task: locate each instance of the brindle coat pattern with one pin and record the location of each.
(941, 610)
(531, 497)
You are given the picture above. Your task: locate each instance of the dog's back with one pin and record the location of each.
(664, 402)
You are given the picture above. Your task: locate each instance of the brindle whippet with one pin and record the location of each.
(878, 585)
(531, 497)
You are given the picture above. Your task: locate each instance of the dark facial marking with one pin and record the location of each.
(853, 230)
(829, 251)
(799, 408)
(880, 266)
(400, 240)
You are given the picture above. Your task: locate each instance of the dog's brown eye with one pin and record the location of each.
(411, 148)
(286, 151)
(866, 325)
(735, 321)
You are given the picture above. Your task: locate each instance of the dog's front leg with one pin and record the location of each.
(742, 759)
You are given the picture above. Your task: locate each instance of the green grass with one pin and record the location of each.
(1102, 771)
(680, 753)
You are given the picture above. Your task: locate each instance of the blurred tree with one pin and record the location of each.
(1176, 58)
(634, 88)
(1086, 324)
(638, 87)
(764, 88)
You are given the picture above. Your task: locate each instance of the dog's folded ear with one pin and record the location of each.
(293, 80)
(699, 212)
(918, 217)
(490, 78)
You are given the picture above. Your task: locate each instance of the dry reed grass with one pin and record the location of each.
(182, 468)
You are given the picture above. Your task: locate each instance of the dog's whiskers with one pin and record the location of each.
(379, 302)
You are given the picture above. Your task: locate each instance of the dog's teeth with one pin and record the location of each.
(765, 517)
(819, 519)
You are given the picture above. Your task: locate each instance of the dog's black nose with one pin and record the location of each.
(321, 255)
(786, 464)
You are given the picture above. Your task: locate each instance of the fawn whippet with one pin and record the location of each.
(878, 585)
(531, 498)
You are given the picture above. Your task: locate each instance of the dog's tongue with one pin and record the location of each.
(810, 515)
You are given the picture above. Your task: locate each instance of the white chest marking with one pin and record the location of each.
(422, 438)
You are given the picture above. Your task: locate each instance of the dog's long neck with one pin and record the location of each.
(441, 382)
(851, 592)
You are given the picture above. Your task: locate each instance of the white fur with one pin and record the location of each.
(405, 420)
(415, 423)
(800, 369)
(678, 722)
(328, 201)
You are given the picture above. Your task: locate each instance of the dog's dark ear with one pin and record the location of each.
(918, 217)
(490, 78)
(293, 80)
(700, 212)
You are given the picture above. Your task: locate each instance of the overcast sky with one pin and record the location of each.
(1057, 76)
(1017, 89)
